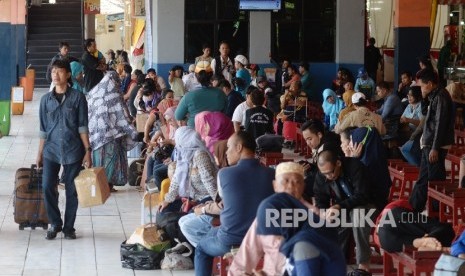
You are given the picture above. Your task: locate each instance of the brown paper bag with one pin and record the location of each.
(141, 119)
(92, 187)
(149, 236)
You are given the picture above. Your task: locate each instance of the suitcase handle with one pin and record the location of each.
(35, 177)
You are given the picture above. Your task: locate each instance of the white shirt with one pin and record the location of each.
(190, 82)
(239, 113)
(226, 69)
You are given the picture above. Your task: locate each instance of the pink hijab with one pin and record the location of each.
(220, 127)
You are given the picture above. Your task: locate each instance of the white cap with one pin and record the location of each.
(242, 59)
(357, 96)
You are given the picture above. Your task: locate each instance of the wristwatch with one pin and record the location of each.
(89, 149)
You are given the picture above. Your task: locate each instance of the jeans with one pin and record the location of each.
(411, 152)
(208, 248)
(194, 227)
(160, 172)
(49, 180)
(428, 171)
(151, 163)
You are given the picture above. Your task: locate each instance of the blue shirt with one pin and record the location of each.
(244, 186)
(245, 75)
(61, 125)
(413, 113)
(392, 107)
(366, 87)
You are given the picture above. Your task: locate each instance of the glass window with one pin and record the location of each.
(222, 22)
(304, 30)
(197, 34)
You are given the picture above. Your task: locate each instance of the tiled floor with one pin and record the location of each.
(100, 230)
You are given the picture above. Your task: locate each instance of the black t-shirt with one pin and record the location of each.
(92, 76)
(258, 121)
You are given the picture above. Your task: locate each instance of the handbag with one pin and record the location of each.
(449, 265)
(136, 256)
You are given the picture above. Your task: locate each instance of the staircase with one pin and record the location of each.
(49, 24)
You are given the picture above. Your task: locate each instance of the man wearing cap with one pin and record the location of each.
(240, 200)
(340, 186)
(190, 81)
(274, 243)
(365, 84)
(243, 78)
(222, 64)
(361, 117)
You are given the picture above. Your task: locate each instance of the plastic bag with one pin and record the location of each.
(177, 258)
(136, 256)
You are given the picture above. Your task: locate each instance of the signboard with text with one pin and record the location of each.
(91, 6)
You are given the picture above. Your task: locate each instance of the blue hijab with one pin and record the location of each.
(325, 239)
(375, 159)
(332, 110)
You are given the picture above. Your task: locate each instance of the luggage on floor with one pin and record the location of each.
(135, 170)
(29, 208)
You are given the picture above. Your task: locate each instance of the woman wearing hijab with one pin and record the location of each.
(309, 251)
(213, 127)
(195, 174)
(110, 133)
(332, 106)
(77, 76)
(366, 144)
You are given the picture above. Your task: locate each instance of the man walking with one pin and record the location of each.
(64, 141)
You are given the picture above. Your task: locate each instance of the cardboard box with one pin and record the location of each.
(141, 119)
(149, 201)
(92, 187)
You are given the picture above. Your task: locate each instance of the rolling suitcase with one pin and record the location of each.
(29, 208)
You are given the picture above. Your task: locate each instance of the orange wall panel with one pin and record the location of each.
(412, 13)
(5, 11)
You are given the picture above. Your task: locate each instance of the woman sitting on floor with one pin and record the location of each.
(213, 127)
(332, 106)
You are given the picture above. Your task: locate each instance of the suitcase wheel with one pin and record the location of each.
(33, 227)
(45, 227)
(21, 227)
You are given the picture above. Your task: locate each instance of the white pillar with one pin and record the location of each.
(350, 31)
(259, 37)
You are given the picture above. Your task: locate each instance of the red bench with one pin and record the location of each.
(416, 261)
(451, 201)
(403, 176)
(454, 155)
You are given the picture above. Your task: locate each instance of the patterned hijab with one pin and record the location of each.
(108, 120)
(188, 142)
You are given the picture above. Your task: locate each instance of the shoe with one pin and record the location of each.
(70, 236)
(52, 232)
(113, 190)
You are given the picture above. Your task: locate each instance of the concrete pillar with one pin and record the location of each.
(259, 37)
(89, 26)
(167, 35)
(350, 33)
(412, 35)
(13, 54)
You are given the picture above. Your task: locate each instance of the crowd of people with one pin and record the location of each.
(204, 126)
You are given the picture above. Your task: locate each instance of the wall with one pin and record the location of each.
(259, 37)
(107, 40)
(13, 53)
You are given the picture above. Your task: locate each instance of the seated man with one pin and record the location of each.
(258, 119)
(391, 110)
(341, 187)
(310, 251)
(240, 201)
(361, 117)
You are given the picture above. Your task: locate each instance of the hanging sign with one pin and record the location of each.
(91, 6)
